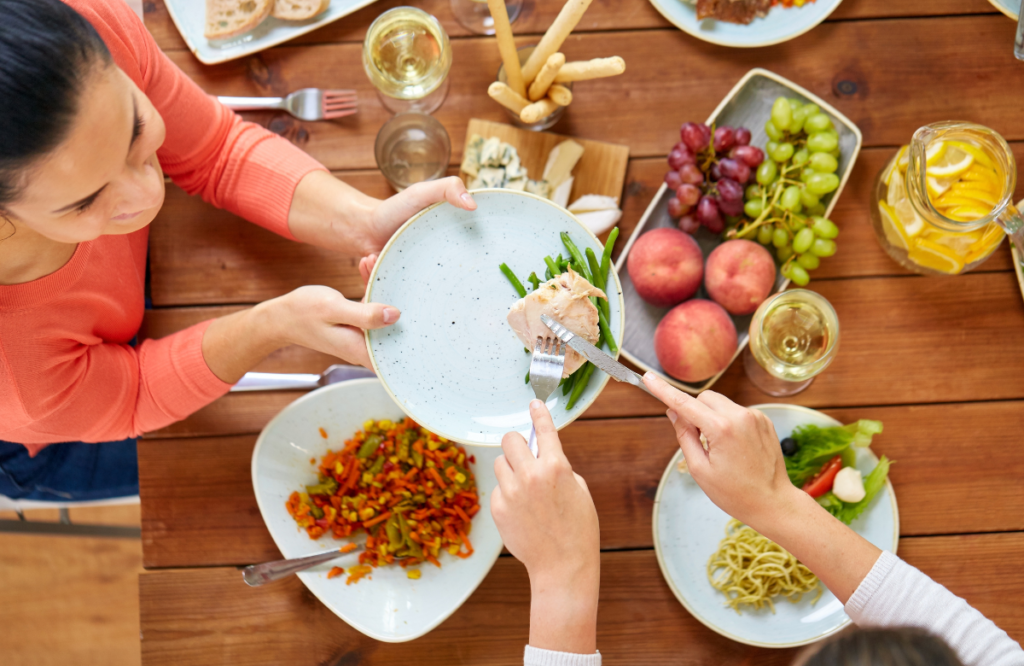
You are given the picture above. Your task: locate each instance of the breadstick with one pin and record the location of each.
(560, 95)
(546, 76)
(507, 97)
(507, 47)
(537, 110)
(564, 23)
(582, 70)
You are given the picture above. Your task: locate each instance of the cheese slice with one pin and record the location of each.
(560, 195)
(471, 155)
(592, 202)
(599, 221)
(561, 162)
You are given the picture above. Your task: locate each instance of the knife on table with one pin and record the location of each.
(615, 370)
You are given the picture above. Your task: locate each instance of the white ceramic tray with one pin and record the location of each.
(749, 105)
(780, 25)
(190, 18)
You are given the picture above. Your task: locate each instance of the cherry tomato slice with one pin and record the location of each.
(821, 483)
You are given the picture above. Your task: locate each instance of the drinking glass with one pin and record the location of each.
(412, 147)
(407, 57)
(475, 16)
(794, 335)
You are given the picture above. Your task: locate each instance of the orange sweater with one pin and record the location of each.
(67, 372)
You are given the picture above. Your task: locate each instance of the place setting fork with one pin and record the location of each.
(306, 104)
(545, 374)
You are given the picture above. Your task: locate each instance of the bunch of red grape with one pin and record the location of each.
(709, 169)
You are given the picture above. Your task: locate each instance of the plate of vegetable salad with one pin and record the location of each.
(343, 465)
(830, 461)
(456, 360)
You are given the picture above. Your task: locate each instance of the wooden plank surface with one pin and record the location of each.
(208, 616)
(537, 16)
(203, 255)
(670, 78)
(601, 170)
(198, 507)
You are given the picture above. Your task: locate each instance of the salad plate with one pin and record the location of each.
(688, 529)
(452, 362)
(386, 605)
(780, 25)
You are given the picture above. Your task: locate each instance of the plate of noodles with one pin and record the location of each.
(693, 538)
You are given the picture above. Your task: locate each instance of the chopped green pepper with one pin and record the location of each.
(369, 446)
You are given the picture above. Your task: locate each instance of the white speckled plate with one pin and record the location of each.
(1009, 7)
(452, 361)
(388, 606)
(688, 529)
(780, 25)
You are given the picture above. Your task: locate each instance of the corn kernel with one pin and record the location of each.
(367, 425)
(460, 477)
(338, 469)
(413, 574)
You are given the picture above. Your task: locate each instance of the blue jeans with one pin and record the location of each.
(70, 471)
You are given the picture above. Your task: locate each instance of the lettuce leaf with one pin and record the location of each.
(873, 483)
(818, 445)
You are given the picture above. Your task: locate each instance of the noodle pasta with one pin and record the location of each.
(751, 569)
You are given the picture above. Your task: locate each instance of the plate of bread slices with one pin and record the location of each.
(220, 30)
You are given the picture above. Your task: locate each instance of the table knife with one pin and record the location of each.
(275, 381)
(615, 370)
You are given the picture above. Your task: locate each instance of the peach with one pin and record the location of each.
(739, 275)
(695, 340)
(666, 266)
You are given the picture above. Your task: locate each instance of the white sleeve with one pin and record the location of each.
(538, 657)
(895, 594)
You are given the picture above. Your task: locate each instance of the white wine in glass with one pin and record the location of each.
(407, 56)
(794, 335)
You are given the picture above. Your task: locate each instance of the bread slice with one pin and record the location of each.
(298, 10)
(228, 18)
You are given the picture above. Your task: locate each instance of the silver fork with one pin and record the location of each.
(545, 374)
(305, 104)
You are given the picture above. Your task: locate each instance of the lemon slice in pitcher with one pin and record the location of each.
(953, 162)
(894, 232)
(935, 256)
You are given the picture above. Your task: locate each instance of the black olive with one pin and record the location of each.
(789, 446)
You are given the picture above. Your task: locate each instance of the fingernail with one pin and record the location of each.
(536, 404)
(649, 376)
(466, 199)
(390, 315)
(672, 416)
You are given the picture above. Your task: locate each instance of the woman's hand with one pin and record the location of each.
(744, 474)
(547, 520)
(742, 471)
(332, 214)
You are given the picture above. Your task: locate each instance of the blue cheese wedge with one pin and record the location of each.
(488, 177)
(471, 155)
(491, 152)
(539, 187)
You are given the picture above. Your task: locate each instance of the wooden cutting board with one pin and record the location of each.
(601, 170)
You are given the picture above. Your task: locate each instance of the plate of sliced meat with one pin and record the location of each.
(745, 23)
(456, 360)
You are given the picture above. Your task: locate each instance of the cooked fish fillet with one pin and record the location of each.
(733, 11)
(565, 298)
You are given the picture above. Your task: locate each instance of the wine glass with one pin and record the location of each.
(475, 16)
(794, 336)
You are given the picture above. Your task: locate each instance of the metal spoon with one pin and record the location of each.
(258, 574)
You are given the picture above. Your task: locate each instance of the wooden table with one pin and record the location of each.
(938, 360)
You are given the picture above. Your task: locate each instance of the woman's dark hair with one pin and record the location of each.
(885, 647)
(46, 52)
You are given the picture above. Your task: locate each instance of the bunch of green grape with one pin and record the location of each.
(785, 204)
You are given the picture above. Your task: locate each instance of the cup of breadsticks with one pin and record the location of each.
(534, 83)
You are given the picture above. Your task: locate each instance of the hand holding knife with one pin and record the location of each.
(615, 370)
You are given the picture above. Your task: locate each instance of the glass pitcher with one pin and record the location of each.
(944, 203)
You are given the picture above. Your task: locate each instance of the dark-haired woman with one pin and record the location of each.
(92, 116)
(546, 518)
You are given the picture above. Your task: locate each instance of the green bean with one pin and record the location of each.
(552, 268)
(394, 533)
(317, 512)
(534, 280)
(599, 282)
(606, 331)
(581, 384)
(520, 289)
(577, 256)
(567, 384)
(377, 466)
(369, 446)
(527, 377)
(547, 274)
(325, 487)
(606, 258)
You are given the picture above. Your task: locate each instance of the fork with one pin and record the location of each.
(545, 374)
(305, 104)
